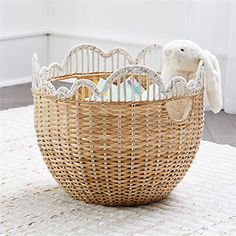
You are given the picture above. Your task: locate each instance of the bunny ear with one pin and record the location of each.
(212, 81)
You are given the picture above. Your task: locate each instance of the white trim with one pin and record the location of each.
(92, 37)
(17, 81)
(84, 36)
(23, 36)
(70, 35)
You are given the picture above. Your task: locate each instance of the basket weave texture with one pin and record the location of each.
(114, 152)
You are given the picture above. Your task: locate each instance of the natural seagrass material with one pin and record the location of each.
(106, 145)
(125, 153)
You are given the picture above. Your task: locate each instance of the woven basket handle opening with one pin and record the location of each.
(179, 109)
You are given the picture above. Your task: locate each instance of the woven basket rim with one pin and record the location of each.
(163, 100)
(43, 77)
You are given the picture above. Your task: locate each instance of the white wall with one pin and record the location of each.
(127, 21)
(23, 17)
(59, 44)
(230, 83)
(208, 24)
(130, 24)
(22, 31)
(15, 58)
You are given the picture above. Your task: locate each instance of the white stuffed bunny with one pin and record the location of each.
(181, 58)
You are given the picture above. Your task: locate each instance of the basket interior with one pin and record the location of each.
(122, 77)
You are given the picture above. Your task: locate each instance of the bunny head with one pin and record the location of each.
(182, 57)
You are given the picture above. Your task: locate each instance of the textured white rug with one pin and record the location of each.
(204, 203)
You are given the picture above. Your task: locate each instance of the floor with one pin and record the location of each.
(219, 128)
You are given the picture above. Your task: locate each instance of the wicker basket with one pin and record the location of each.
(114, 152)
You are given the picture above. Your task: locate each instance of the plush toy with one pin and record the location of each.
(181, 58)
